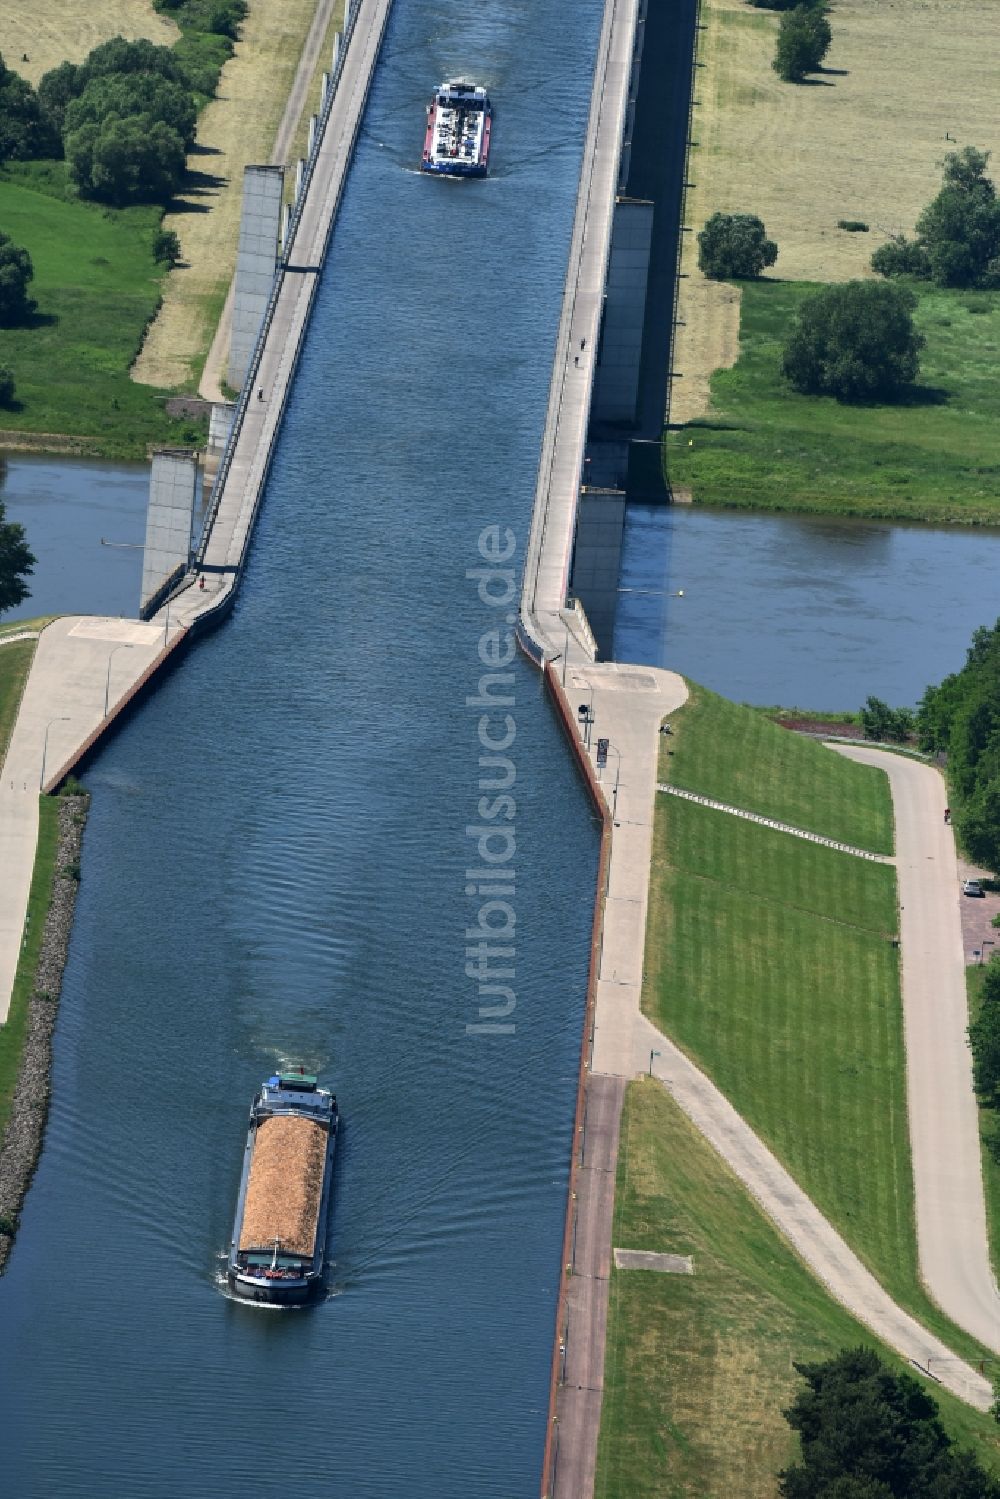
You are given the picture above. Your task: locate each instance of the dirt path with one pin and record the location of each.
(944, 1131)
(317, 46)
(238, 127)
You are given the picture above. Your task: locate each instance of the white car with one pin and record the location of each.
(972, 887)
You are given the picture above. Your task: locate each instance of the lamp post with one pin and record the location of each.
(63, 718)
(124, 646)
(652, 1054)
(585, 713)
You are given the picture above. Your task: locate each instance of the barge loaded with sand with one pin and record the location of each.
(279, 1235)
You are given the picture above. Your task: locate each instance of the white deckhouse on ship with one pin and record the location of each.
(459, 120)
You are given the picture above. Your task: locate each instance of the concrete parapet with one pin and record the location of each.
(257, 256)
(173, 484)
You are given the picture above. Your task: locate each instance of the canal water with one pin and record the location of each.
(275, 871)
(804, 611)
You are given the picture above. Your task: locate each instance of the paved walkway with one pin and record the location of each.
(78, 660)
(944, 1127)
(769, 822)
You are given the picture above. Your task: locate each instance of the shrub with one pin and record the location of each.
(883, 723)
(166, 247)
(803, 41)
(7, 387)
(853, 226)
(734, 246)
(855, 341)
(901, 257)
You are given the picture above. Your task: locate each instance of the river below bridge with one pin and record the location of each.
(274, 870)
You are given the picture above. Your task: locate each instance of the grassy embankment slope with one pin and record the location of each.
(864, 141)
(699, 1368)
(770, 961)
(15, 663)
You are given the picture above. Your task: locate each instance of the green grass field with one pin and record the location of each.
(97, 286)
(737, 755)
(15, 663)
(698, 1368)
(765, 447)
(771, 962)
(13, 1031)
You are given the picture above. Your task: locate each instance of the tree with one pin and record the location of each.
(120, 56)
(16, 271)
(24, 130)
(734, 246)
(804, 38)
(56, 89)
(16, 562)
(961, 717)
(868, 1433)
(881, 722)
(135, 160)
(984, 1038)
(855, 341)
(7, 386)
(957, 235)
(126, 95)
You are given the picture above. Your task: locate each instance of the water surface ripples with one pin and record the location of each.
(274, 869)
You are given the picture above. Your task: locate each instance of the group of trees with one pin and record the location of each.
(869, 1433)
(883, 723)
(957, 240)
(961, 718)
(855, 341)
(984, 1038)
(124, 118)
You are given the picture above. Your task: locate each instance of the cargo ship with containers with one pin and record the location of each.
(459, 125)
(279, 1235)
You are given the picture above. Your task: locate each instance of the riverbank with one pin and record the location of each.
(115, 332)
(97, 286)
(933, 457)
(26, 1037)
(863, 142)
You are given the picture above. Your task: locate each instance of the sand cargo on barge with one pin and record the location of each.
(279, 1234)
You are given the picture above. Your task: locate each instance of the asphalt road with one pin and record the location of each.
(944, 1134)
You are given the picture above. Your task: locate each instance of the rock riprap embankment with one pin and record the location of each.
(22, 1141)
